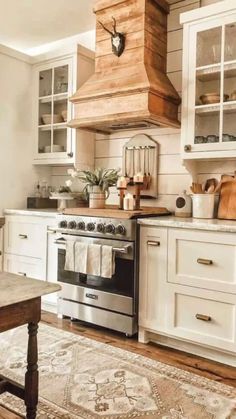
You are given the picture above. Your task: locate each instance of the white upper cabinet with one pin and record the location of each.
(209, 82)
(55, 81)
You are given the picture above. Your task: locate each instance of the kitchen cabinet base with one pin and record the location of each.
(148, 335)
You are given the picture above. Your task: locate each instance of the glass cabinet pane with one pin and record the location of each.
(209, 47)
(229, 83)
(208, 88)
(45, 112)
(60, 110)
(45, 83)
(229, 124)
(207, 127)
(230, 47)
(59, 139)
(61, 79)
(44, 143)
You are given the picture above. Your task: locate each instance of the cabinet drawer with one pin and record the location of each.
(33, 268)
(203, 316)
(26, 238)
(202, 259)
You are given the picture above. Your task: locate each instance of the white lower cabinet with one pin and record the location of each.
(153, 276)
(24, 266)
(187, 294)
(203, 316)
(28, 251)
(51, 275)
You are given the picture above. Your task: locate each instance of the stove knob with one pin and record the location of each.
(81, 225)
(63, 224)
(120, 229)
(90, 226)
(100, 228)
(110, 228)
(72, 224)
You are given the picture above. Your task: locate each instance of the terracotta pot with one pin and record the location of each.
(97, 197)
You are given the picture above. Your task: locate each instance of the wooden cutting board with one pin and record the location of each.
(114, 212)
(227, 205)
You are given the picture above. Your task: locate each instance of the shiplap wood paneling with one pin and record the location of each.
(173, 177)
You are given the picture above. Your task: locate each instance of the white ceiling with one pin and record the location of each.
(26, 24)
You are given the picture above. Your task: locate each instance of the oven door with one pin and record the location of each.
(116, 294)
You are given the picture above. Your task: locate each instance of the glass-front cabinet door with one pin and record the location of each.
(209, 117)
(54, 110)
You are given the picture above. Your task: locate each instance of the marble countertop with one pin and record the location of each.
(190, 223)
(50, 212)
(15, 289)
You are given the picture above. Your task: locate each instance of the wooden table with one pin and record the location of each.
(20, 303)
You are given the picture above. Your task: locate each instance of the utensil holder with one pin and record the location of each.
(203, 205)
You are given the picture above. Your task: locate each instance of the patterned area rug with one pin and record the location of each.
(82, 378)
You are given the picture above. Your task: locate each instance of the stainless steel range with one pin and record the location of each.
(111, 303)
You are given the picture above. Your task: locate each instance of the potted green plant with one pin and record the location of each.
(97, 184)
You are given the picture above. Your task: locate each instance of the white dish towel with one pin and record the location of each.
(108, 262)
(94, 260)
(70, 256)
(81, 257)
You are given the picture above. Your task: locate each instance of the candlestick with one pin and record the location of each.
(129, 202)
(122, 183)
(137, 189)
(138, 178)
(122, 195)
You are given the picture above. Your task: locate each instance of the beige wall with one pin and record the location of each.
(17, 175)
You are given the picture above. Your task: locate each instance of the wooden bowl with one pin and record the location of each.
(64, 115)
(210, 98)
(46, 119)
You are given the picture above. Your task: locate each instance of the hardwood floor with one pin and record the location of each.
(195, 364)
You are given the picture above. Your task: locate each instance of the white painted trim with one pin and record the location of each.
(148, 335)
(15, 54)
(208, 11)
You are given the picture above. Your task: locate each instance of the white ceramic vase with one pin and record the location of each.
(97, 197)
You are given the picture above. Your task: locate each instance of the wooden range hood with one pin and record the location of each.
(131, 91)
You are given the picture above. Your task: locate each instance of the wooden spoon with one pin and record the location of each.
(211, 189)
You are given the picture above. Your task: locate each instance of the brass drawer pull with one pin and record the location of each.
(22, 273)
(23, 236)
(203, 317)
(205, 261)
(153, 243)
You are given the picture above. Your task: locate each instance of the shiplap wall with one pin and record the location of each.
(173, 176)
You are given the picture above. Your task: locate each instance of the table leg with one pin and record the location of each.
(31, 376)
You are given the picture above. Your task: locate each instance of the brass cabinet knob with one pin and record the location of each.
(23, 236)
(187, 148)
(70, 154)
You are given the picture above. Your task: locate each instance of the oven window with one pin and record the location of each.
(121, 283)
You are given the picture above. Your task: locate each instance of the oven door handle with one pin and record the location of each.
(124, 250)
